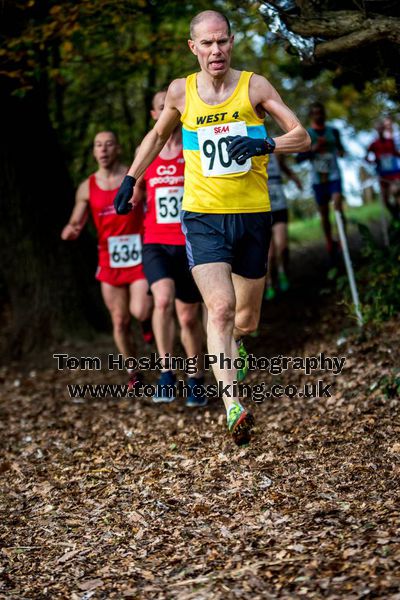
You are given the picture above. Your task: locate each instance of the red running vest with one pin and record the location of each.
(164, 186)
(119, 236)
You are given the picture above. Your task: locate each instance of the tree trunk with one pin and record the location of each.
(48, 283)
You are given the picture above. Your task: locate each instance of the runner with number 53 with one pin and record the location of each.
(165, 262)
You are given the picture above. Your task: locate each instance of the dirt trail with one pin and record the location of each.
(125, 499)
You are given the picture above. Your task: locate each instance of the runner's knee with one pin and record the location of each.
(221, 313)
(337, 204)
(164, 303)
(188, 319)
(246, 322)
(140, 311)
(120, 322)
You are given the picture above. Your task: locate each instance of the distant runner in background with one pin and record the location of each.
(278, 257)
(386, 158)
(391, 131)
(326, 147)
(123, 284)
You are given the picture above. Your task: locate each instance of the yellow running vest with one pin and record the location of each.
(213, 182)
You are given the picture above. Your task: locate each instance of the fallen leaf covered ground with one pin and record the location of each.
(125, 499)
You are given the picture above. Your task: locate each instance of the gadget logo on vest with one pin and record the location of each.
(163, 170)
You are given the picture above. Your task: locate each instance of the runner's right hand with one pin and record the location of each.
(70, 232)
(124, 195)
(320, 145)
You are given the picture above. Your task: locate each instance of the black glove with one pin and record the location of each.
(123, 196)
(242, 147)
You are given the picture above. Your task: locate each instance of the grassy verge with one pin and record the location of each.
(308, 230)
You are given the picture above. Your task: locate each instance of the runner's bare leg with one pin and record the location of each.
(214, 281)
(116, 300)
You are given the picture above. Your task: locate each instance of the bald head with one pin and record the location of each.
(205, 15)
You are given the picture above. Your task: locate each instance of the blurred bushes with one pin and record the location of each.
(379, 277)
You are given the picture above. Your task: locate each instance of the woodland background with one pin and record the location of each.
(68, 69)
(120, 498)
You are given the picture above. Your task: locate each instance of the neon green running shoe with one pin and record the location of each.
(240, 423)
(284, 284)
(242, 373)
(269, 293)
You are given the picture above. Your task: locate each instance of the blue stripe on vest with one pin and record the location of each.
(190, 141)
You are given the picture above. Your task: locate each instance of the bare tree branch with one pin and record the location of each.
(328, 25)
(374, 31)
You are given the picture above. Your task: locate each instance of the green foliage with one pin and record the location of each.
(379, 278)
(98, 63)
(302, 209)
(308, 228)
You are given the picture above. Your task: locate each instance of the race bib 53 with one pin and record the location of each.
(168, 204)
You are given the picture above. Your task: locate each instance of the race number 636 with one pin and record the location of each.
(125, 250)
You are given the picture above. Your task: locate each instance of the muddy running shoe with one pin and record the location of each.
(135, 381)
(197, 397)
(284, 284)
(241, 373)
(165, 388)
(240, 423)
(269, 293)
(147, 331)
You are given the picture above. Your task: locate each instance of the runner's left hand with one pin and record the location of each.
(243, 147)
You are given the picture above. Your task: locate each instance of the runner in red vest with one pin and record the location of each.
(123, 283)
(165, 262)
(386, 156)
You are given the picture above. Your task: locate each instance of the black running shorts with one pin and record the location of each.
(241, 240)
(162, 261)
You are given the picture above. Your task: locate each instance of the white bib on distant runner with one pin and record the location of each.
(324, 163)
(388, 162)
(125, 250)
(213, 149)
(168, 204)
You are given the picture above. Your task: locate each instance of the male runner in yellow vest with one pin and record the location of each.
(225, 210)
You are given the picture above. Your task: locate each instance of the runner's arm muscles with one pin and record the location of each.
(79, 214)
(296, 138)
(155, 140)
